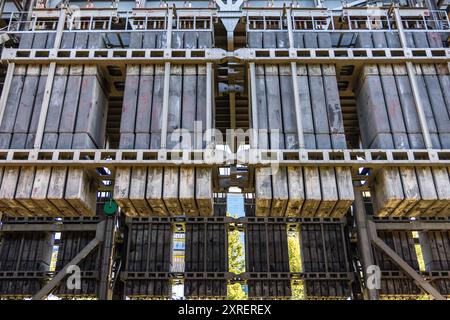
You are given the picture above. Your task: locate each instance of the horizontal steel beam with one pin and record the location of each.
(247, 11)
(349, 56)
(412, 226)
(237, 277)
(142, 220)
(112, 158)
(231, 220)
(324, 12)
(47, 227)
(175, 275)
(108, 56)
(41, 274)
(432, 275)
(201, 56)
(296, 275)
(102, 13)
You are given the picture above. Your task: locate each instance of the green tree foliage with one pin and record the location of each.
(236, 264)
(235, 292)
(235, 252)
(294, 253)
(295, 264)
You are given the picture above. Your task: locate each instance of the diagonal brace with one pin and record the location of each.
(47, 289)
(418, 279)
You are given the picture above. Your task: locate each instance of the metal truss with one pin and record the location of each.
(299, 20)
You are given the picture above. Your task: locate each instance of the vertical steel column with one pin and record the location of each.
(49, 83)
(209, 98)
(301, 140)
(414, 86)
(254, 108)
(165, 111)
(30, 8)
(105, 290)
(2, 6)
(364, 246)
(6, 87)
(231, 81)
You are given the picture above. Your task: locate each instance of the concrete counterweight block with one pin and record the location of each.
(122, 191)
(81, 191)
(39, 192)
(12, 207)
(345, 192)
(387, 192)
(303, 192)
(389, 120)
(263, 192)
(47, 192)
(158, 191)
(187, 198)
(76, 118)
(138, 185)
(204, 191)
(412, 192)
(154, 191)
(92, 110)
(296, 191)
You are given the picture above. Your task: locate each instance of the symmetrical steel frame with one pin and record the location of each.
(319, 20)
